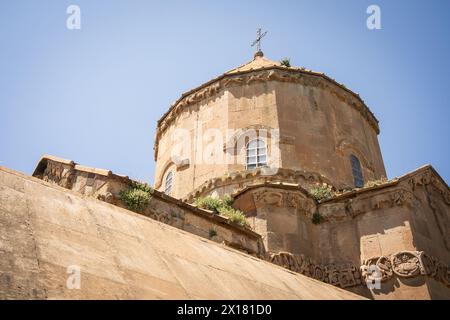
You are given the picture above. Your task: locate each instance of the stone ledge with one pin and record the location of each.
(283, 176)
(123, 255)
(106, 186)
(425, 173)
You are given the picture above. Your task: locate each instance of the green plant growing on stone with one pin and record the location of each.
(321, 192)
(224, 208)
(137, 196)
(212, 233)
(286, 62)
(234, 215)
(317, 218)
(228, 200)
(209, 203)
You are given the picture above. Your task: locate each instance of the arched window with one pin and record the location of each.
(357, 172)
(168, 184)
(256, 154)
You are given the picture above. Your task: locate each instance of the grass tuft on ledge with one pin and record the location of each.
(224, 208)
(137, 196)
(321, 191)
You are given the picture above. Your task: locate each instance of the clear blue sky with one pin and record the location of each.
(94, 95)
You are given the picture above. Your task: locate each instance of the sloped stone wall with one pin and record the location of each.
(106, 186)
(49, 236)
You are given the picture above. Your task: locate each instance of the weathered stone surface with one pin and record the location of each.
(358, 228)
(44, 229)
(106, 186)
(326, 138)
(320, 125)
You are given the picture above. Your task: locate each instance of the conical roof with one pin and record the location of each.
(258, 62)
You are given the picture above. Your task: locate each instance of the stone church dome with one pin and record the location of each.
(302, 125)
(266, 134)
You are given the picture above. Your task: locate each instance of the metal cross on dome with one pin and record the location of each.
(258, 39)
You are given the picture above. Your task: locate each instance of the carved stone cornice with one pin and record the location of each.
(427, 180)
(274, 73)
(251, 177)
(396, 192)
(341, 275)
(428, 176)
(352, 207)
(298, 199)
(60, 173)
(403, 264)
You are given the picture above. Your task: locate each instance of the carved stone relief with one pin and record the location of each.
(286, 199)
(353, 207)
(60, 174)
(403, 264)
(342, 275)
(407, 264)
(248, 178)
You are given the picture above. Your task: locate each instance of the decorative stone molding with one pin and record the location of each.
(423, 184)
(59, 173)
(430, 177)
(284, 199)
(435, 188)
(275, 73)
(406, 264)
(403, 264)
(352, 207)
(389, 199)
(341, 275)
(422, 177)
(70, 175)
(251, 177)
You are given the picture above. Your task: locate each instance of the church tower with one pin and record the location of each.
(268, 134)
(302, 125)
(297, 154)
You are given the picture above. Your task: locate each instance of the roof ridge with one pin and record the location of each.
(258, 62)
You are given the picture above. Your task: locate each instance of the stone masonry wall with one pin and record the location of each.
(106, 186)
(49, 236)
(401, 226)
(319, 125)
